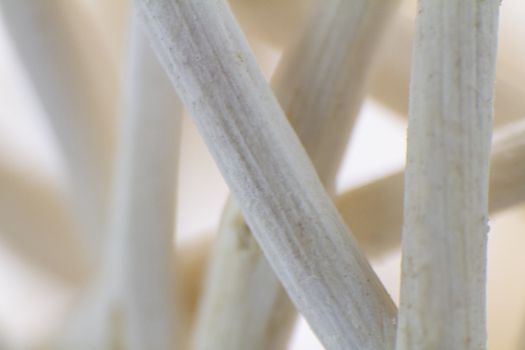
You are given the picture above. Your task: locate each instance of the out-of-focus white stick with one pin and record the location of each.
(77, 84)
(132, 303)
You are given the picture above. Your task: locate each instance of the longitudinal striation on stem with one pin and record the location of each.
(269, 173)
(446, 183)
(319, 84)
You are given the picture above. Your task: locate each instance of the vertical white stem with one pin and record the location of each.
(282, 199)
(145, 197)
(319, 83)
(132, 303)
(446, 183)
(77, 90)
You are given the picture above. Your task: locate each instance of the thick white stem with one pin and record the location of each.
(77, 92)
(446, 183)
(133, 302)
(319, 83)
(283, 201)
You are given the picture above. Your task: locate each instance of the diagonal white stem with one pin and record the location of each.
(319, 83)
(384, 198)
(446, 183)
(283, 201)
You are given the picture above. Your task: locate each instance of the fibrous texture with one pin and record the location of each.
(446, 182)
(319, 83)
(261, 159)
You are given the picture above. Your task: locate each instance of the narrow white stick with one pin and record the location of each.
(145, 197)
(133, 302)
(446, 184)
(77, 90)
(291, 216)
(319, 83)
(36, 222)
